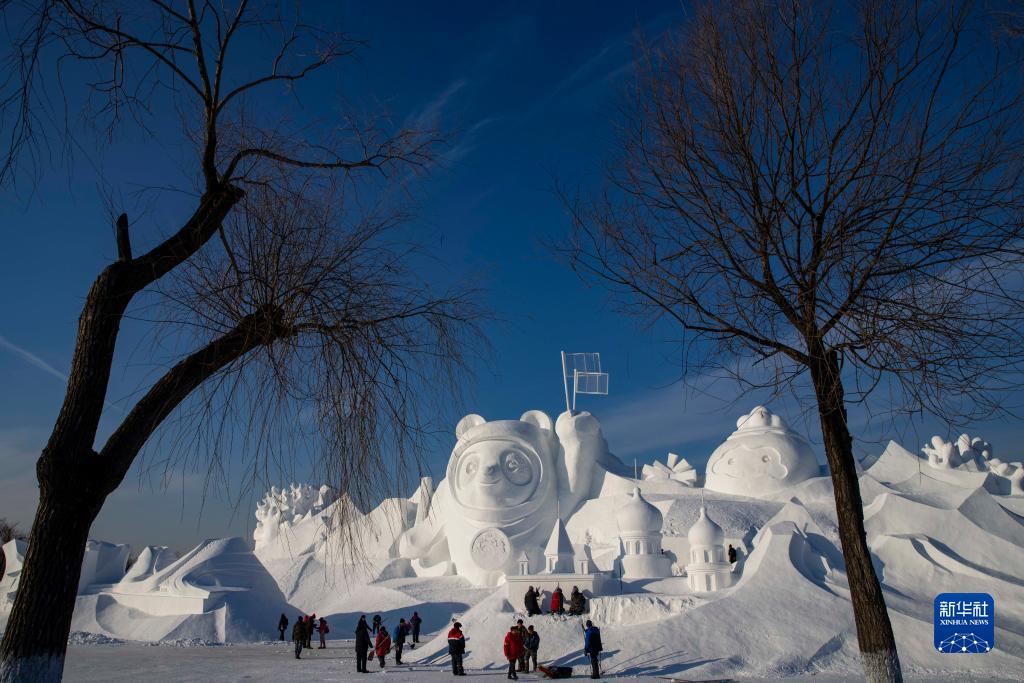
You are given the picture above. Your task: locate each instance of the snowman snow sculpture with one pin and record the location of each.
(761, 457)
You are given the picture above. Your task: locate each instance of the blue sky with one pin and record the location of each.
(530, 90)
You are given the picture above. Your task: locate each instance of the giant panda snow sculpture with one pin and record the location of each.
(498, 500)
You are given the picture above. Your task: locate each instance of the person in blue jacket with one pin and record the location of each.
(592, 647)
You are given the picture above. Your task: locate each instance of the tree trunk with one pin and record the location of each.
(36, 636)
(879, 657)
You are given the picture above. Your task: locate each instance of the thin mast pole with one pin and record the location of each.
(565, 384)
(575, 383)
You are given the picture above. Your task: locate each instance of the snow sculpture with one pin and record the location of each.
(14, 556)
(675, 469)
(584, 454)
(425, 494)
(507, 482)
(761, 457)
(942, 455)
(103, 563)
(976, 455)
(152, 559)
(498, 500)
(281, 509)
(214, 574)
(558, 553)
(708, 569)
(640, 525)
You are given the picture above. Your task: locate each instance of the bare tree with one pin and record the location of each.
(284, 279)
(831, 192)
(9, 531)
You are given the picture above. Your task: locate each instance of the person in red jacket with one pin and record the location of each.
(382, 646)
(457, 648)
(556, 601)
(323, 629)
(513, 651)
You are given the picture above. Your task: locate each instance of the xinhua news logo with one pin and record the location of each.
(964, 623)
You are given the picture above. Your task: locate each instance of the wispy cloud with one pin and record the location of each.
(37, 362)
(649, 423)
(32, 359)
(429, 115)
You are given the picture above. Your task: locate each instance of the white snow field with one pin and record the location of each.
(275, 662)
(534, 502)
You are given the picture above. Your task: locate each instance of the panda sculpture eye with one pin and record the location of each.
(764, 458)
(471, 466)
(516, 467)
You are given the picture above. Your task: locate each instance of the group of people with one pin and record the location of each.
(577, 602)
(522, 643)
(378, 640)
(520, 647)
(302, 631)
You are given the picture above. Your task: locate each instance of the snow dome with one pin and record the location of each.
(638, 516)
(705, 532)
(639, 525)
(708, 569)
(761, 457)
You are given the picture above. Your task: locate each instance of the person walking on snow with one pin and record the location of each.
(299, 636)
(362, 644)
(415, 621)
(457, 648)
(531, 643)
(382, 646)
(310, 627)
(732, 554)
(557, 598)
(532, 608)
(521, 630)
(401, 631)
(592, 647)
(513, 651)
(323, 629)
(282, 624)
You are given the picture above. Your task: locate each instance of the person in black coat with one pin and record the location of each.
(282, 624)
(362, 644)
(532, 607)
(415, 621)
(732, 554)
(401, 632)
(457, 648)
(299, 636)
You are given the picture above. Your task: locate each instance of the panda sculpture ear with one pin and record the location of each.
(538, 418)
(467, 423)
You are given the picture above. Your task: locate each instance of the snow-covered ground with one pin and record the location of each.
(275, 662)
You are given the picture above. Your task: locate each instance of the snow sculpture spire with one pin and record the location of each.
(558, 554)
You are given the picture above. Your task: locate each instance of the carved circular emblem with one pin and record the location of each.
(490, 549)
